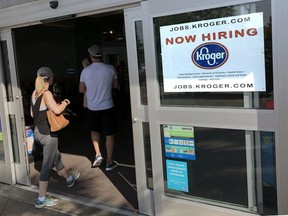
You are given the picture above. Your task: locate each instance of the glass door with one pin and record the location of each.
(12, 117)
(139, 107)
(211, 138)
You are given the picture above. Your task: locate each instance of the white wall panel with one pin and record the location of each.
(35, 11)
(156, 6)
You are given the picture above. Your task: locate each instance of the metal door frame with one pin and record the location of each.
(139, 112)
(6, 168)
(14, 119)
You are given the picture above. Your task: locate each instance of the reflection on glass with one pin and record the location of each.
(262, 100)
(14, 137)
(141, 62)
(148, 160)
(6, 71)
(218, 170)
(2, 154)
(268, 173)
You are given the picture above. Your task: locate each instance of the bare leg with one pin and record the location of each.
(95, 136)
(110, 147)
(43, 199)
(43, 185)
(70, 177)
(64, 173)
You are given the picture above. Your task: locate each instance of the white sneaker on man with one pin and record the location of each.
(98, 160)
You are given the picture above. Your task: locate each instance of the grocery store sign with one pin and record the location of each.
(225, 54)
(210, 55)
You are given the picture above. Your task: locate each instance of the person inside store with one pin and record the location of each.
(41, 100)
(85, 63)
(98, 80)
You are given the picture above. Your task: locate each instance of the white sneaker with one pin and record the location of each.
(49, 201)
(97, 162)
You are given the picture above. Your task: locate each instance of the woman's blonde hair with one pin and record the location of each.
(40, 85)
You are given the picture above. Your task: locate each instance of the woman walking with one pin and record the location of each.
(42, 99)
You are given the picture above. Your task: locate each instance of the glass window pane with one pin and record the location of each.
(215, 97)
(14, 137)
(148, 158)
(6, 70)
(268, 173)
(210, 165)
(141, 62)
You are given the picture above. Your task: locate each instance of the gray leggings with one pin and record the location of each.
(51, 154)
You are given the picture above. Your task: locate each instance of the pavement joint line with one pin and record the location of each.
(126, 165)
(5, 206)
(126, 180)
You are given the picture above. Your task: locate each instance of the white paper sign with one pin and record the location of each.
(216, 55)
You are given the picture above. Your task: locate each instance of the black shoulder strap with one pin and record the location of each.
(36, 108)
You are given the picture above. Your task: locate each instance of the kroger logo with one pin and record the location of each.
(210, 55)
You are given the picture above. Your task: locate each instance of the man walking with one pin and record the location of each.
(98, 80)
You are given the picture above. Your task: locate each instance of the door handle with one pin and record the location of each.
(134, 120)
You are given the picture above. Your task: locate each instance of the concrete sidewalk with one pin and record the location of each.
(19, 201)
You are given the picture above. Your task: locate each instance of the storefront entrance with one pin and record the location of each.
(205, 117)
(62, 45)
